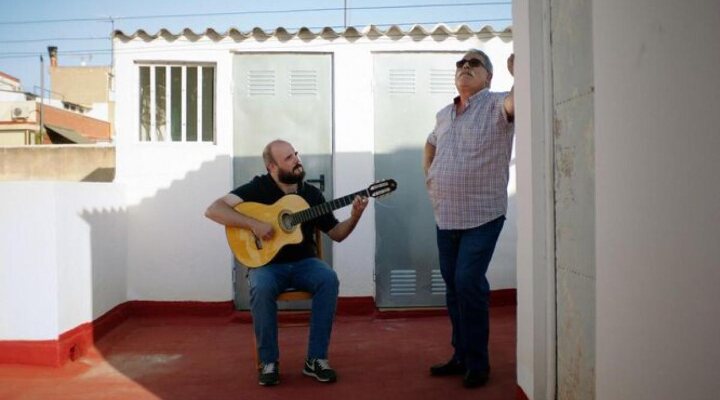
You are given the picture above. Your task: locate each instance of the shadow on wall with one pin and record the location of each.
(108, 249)
(405, 225)
(174, 252)
(406, 236)
(162, 248)
(100, 175)
(176, 256)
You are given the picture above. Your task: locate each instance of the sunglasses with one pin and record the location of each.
(474, 63)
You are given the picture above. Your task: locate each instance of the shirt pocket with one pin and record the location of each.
(473, 136)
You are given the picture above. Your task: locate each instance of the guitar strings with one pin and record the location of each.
(321, 209)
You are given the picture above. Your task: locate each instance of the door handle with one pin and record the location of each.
(320, 182)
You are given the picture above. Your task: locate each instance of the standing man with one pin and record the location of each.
(295, 265)
(466, 163)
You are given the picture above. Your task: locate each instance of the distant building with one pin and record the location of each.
(80, 116)
(82, 88)
(20, 123)
(9, 83)
(17, 113)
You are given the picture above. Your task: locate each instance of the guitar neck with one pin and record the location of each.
(325, 208)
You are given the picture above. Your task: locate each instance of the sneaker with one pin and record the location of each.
(269, 374)
(320, 369)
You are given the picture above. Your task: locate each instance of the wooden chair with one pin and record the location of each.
(292, 294)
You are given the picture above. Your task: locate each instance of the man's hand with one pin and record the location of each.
(511, 64)
(509, 103)
(343, 229)
(358, 207)
(262, 230)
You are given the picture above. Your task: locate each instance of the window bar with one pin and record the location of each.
(183, 108)
(153, 131)
(141, 93)
(199, 103)
(168, 101)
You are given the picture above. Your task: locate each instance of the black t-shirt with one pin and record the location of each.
(263, 189)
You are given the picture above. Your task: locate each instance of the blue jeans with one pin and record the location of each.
(464, 259)
(267, 282)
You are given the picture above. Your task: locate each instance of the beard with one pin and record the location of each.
(292, 177)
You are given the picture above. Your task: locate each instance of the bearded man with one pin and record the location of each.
(294, 266)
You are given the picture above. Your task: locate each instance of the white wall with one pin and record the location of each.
(174, 253)
(61, 253)
(28, 273)
(658, 199)
(353, 163)
(535, 254)
(8, 95)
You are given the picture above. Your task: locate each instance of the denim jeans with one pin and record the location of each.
(465, 255)
(310, 274)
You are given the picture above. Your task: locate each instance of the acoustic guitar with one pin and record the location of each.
(286, 215)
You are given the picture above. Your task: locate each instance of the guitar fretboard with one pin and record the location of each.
(325, 208)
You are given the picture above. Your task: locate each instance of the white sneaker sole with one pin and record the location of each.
(314, 375)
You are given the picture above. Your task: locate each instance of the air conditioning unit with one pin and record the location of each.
(21, 112)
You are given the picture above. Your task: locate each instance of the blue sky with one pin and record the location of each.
(81, 28)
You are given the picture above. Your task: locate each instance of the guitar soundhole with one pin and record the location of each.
(286, 221)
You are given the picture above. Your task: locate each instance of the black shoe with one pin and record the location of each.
(452, 367)
(269, 374)
(474, 378)
(320, 369)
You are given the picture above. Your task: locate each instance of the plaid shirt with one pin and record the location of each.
(467, 181)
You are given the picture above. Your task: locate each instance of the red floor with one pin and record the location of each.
(212, 358)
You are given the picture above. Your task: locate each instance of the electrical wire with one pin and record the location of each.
(60, 39)
(299, 10)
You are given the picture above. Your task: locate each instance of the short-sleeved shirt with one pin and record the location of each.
(468, 178)
(263, 189)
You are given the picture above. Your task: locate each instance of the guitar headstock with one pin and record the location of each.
(381, 188)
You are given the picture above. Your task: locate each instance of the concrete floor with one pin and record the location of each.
(212, 358)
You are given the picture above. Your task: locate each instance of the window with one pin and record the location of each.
(177, 102)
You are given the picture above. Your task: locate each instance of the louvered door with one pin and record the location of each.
(409, 89)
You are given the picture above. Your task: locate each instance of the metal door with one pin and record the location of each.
(282, 96)
(409, 89)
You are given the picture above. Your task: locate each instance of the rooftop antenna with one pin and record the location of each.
(112, 43)
(42, 96)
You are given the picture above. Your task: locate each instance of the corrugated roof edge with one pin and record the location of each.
(351, 33)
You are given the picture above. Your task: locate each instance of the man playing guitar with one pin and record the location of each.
(294, 266)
